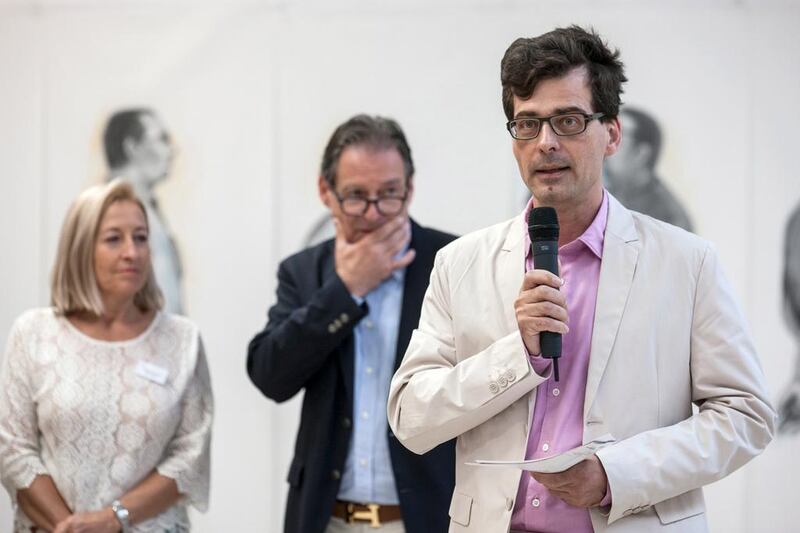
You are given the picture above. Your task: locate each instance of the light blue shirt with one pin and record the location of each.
(368, 476)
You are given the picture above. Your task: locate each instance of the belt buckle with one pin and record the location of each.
(370, 516)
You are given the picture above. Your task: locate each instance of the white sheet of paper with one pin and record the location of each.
(557, 463)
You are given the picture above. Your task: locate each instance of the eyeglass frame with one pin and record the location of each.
(371, 201)
(588, 117)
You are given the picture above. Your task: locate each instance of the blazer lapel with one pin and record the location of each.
(346, 355)
(511, 269)
(415, 284)
(620, 254)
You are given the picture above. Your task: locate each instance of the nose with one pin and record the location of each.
(548, 140)
(372, 214)
(131, 249)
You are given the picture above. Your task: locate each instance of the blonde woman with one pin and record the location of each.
(105, 401)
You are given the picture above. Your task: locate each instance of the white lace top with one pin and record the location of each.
(99, 416)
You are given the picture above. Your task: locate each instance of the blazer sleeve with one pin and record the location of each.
(437, 393)
(301, 332)
(735, 420)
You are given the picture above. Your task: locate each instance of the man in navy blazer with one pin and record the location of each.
(344, 315)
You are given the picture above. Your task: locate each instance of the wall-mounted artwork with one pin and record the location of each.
(138, 148)
(631, 173)
(789, 405)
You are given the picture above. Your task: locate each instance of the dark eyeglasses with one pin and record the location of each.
(565, 124)
(388, 205)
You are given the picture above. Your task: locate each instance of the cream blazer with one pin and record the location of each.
(668, 334)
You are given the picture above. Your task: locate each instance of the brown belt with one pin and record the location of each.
(373, 513)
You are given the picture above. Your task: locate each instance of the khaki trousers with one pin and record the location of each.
(337, 525)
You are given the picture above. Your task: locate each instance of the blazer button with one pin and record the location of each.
(346, 423)
(344, 317)
(494, 388)
(510, 375)
(331, 328)
(336, 474)
(502, 381)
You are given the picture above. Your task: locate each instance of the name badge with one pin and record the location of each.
(155, 373)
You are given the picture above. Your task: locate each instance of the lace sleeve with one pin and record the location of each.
(187, 457)
(20, 461)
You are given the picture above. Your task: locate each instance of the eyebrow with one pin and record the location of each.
(557, 111)
(119, 230)
(394, 182)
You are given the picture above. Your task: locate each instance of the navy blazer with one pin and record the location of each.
(308, 343)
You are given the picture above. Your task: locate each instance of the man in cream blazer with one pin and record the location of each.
(667, 334)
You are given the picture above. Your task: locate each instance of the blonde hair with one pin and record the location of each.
(73, 286)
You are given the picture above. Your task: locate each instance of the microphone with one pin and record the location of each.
(543, 231)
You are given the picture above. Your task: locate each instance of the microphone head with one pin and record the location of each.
(543, 224)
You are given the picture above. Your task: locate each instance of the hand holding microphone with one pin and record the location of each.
(541, 308)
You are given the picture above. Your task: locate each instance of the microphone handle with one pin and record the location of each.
(545, 257)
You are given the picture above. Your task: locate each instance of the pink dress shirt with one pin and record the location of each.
(557, 424)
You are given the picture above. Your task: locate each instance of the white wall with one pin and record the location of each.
(250, 92)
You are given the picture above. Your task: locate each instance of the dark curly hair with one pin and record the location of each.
(551, 55)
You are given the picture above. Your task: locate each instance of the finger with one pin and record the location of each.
(543, 293)
(536, 277)
(405, 260)
(542, 309)
(553, 482)
(535, 326)
(396, 242)
(393, 227)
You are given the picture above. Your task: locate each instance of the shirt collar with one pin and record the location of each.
(592, 238)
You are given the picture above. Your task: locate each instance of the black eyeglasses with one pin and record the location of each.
(387, 205)
(564, 125)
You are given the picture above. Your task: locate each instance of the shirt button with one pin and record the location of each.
(364, 415)
(368, 370)
(509, 504)
(369, 324)
(556, 392)
(535, 502)
(363, 462)
(545, 447)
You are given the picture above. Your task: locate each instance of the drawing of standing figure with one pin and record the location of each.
(631, 174)
(138, 148)
(789, 406)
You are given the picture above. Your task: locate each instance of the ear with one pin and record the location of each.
(129, 147)
(324, 191)
(614, 129)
